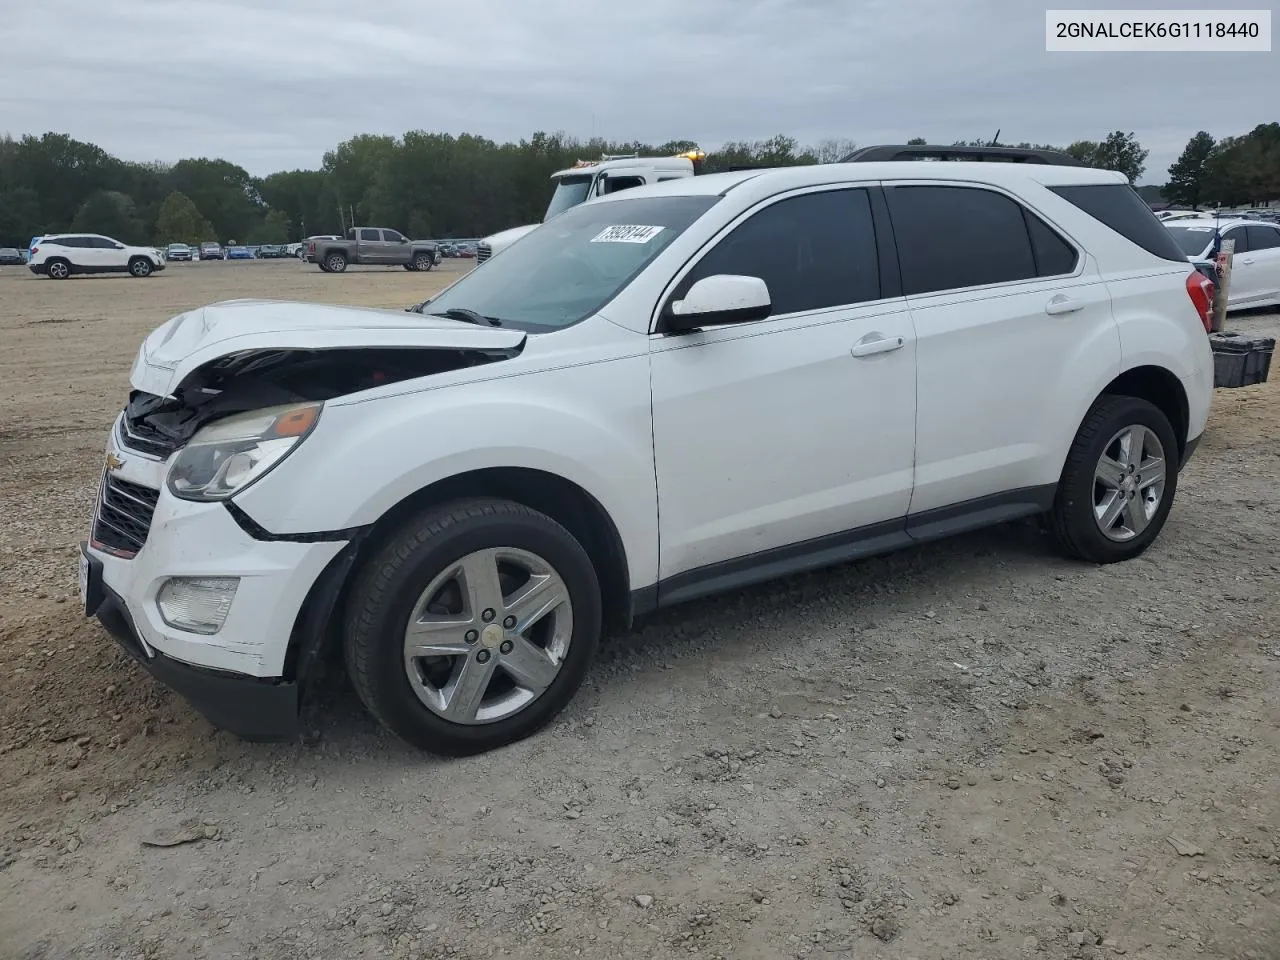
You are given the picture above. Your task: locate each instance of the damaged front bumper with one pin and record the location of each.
(241, 674)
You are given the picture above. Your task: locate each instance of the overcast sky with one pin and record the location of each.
(272, 84)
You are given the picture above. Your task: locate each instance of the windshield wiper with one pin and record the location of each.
(469, 316)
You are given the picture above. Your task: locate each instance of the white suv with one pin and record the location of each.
(672, 391)
(60, 255)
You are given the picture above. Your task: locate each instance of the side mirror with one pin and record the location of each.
(722, 299)
(404, 239)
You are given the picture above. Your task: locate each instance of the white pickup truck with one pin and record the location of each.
(595, 178)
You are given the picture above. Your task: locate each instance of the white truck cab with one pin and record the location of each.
(595, 178)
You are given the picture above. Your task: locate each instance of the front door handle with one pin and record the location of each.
(873, 343)
(1247, 260)
(1061, 304)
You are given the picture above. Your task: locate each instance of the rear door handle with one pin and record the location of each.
(1248, 260)
(873, 343)
(1061, 304)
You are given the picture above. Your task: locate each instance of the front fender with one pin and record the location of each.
(591, 427)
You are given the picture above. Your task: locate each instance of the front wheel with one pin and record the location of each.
(474, 627)
(1118, 483)
(423, 261)
(140, 267)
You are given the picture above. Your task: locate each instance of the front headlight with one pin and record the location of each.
(228, 455)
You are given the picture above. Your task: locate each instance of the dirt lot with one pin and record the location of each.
(974, 749)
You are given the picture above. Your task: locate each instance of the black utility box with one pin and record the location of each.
(1240, 360)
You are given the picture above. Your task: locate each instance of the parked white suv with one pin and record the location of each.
(61, 255)
(672, 391)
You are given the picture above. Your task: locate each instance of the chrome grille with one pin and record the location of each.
(483, 252)
(124, 514)
(143, 440)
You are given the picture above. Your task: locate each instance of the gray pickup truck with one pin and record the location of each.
(372, 245)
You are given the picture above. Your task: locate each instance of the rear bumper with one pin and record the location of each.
(250, 708)
(36, 268)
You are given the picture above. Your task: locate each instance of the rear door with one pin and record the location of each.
(1246, 287)
(1008, 311)
(1263, 259)
(369, 246)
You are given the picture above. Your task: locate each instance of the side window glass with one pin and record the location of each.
(369, 236)
(1054, 256)
(954, 237)
(102, 243)
(614, 184)
(1240, 237)
(1263, 238)
(814, 251)
(391, 236)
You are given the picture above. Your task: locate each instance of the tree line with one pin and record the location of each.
(437, 185)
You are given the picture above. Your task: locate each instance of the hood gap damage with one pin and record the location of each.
(254, 379)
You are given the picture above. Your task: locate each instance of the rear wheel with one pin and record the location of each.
(335, 263)
(1119, 481)
(58, 269)
(140, 267)
(474, 627)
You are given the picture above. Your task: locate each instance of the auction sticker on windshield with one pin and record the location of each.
(626, 233)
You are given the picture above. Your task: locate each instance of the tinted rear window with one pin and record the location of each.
(1120, 207)
(1192, 240)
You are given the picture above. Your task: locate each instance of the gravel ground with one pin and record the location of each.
(972, 749)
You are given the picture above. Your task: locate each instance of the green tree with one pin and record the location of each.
(113, 214)
(273, 229)
(179, 221)
(917, 142)
(20, 217)
(1120, 151)
(1186, 174)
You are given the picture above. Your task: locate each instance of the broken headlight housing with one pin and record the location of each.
(228, 455)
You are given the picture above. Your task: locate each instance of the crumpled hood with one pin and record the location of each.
(188, 341)
(500, 241)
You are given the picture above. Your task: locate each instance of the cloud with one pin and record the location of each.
(273, 85)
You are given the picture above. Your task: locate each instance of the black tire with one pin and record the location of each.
(1072, 520)
(423, 262)
(322, 266)
(335, 263)
(140, 267)
(389, 585)
(410, 266)
(57, 268)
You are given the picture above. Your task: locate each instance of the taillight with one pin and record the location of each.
(1200, 290)
(34, 251)
(311, 247)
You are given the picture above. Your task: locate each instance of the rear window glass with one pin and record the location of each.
(1192, 241)
(1120, 207)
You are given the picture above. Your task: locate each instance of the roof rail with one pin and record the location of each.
(619, 156)
(935, 152)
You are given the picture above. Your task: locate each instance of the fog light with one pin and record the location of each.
(197, 604)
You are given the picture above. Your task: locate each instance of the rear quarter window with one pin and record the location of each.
(1118, 206)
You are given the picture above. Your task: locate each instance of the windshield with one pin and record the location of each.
(570, 191)
(566, 270)
(1192, 239)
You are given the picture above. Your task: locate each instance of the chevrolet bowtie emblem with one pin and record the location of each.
(114, 462)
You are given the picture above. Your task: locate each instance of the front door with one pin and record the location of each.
(773, 434)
